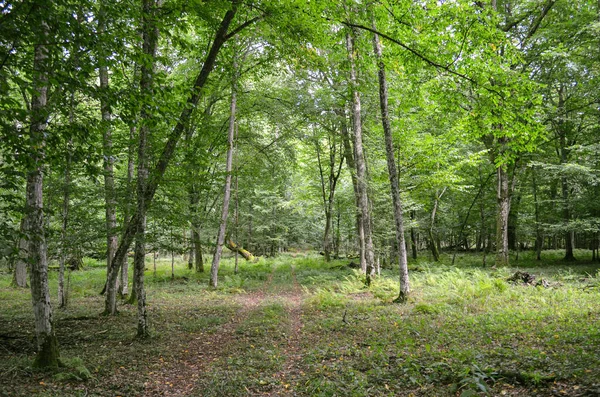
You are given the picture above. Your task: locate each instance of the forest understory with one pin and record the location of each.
(297, 325)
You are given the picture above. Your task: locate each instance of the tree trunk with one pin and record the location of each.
(236, 209)
(124, 274)
(513, 220)
(214, 269)
(20, 272)
(62, 297)
(336, 241)
(109, 181)
(167, 154)
(413, 237)
(433, 241)
(47, 345)
(361, 169)
(503, 209)
(191, 250)
(349, 156)
(393, 172)
(172, 256)
(328, 189)
(198, 259)
(539, 238)
(150, 37)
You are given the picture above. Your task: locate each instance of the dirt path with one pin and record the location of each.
(179, 377)
(292, 348)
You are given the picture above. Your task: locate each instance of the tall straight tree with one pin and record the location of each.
(47, 345)
(110, 200)
(147, 125)
(359, 158)
(392, 170)
(214, 269)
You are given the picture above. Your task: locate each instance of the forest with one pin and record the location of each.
(299, 197)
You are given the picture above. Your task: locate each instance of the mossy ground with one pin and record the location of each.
(295, 325)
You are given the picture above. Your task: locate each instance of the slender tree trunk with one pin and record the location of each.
(337, 242)
(503, 210)
(62, 293)
(513, 222)
(124, 275)
(569, 234)
(214, 269)
(47, 345)
(413, 237)
(166, 155)
(393, 172)
(328, 190)
(172, 256)
(539, 238)
(20, 272)
(361, 169)
(433, 241)
(109, 181)
(198, 259)
(236, 209)
(349, 156)
(326, 243)
(62, 298)
(191, 250)
(564, 158)
(150, 37)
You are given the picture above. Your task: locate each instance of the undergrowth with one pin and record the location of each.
(465, 330)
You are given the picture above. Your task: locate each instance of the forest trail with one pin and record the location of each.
(292, 346)
(183, 375)
(180, 378)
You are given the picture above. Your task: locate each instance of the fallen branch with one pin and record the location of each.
(236, 248)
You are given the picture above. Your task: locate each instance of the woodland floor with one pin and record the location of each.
(297, 326)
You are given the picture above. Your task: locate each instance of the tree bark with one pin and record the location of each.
(361, 169)
(20, 272)
(392, 172)
(214, 269)
(165, 158)
(503, 196)
(47, 345)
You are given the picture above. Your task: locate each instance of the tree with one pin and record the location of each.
(214, 270)
(393, 173)
(366, 239)
(47, 345)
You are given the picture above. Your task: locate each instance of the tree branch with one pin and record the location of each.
(423, 57)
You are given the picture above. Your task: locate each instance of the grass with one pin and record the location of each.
(300, 326)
